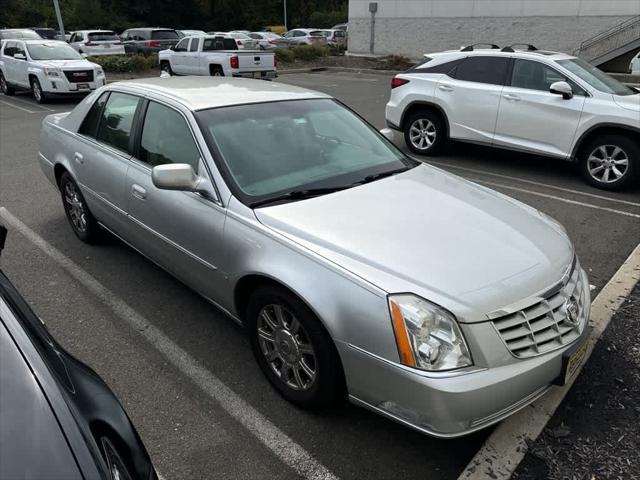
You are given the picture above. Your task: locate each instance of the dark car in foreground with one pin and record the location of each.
(59, 419)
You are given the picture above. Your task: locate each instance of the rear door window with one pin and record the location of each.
(483, 69)
(90, 123)
(115, 124)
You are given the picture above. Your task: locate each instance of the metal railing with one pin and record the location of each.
(611, 39)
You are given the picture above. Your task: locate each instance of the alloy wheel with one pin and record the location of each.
(75, 207)
(422, 134)
(287, 348)
(3, 84)
(608, 163)
(37, 94)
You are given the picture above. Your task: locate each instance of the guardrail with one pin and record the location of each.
(616, 37)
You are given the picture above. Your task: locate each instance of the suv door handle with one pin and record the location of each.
(511, 97)
(445, 88)
(78, 157)
(138, 192)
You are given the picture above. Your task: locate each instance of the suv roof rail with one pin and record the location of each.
(512, 48)
(470, 48)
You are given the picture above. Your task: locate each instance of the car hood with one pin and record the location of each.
(425, 231)
(77, 64)
(629, 102)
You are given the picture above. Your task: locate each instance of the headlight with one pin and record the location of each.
(100, 72)
(51, 72)
(428, 337)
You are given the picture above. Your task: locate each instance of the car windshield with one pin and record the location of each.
(103, 37)
(164, 35)
(595, 77)
(270, 149)
(52, 51)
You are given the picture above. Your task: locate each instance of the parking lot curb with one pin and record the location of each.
(338, 69)
(505, 448)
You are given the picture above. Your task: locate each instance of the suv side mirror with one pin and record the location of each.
(562, 88)
(19, 56)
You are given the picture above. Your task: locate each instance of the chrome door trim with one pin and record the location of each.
(97, 196)
(172, 243)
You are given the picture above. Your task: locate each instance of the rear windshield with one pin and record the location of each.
(219, 43)
(164, 35)
(103, 37)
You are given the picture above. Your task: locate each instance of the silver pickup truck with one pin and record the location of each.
(216, 56)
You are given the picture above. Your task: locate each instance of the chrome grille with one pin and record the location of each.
(79, 76)
(545, 325)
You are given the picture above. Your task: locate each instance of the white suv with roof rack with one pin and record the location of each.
(529, 100)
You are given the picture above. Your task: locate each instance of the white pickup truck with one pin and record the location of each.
(216, 56)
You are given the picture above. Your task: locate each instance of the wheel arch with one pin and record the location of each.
(58, 170)
(603, 129)
(215, 66)
(420, 105)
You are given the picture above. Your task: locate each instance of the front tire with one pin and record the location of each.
(165, 66)
(5, 87)
(425, 133)
(82, 222)
(293, 349)
(610, 162)
(36, 90)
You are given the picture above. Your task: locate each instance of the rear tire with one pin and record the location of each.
(216, 71)
(293, 349)
(425, 133)
(36, 90)
(82, 222)
(610, 162)
(5, 87)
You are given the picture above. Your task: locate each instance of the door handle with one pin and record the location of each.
(513, 98)
(79, 158)
(445, 88)
(138, 192)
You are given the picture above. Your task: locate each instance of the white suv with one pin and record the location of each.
(541, 102)
(47, 68)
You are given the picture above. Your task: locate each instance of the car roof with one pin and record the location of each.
(96, 30)
(531, 54)
(200, 93)
(31, 41)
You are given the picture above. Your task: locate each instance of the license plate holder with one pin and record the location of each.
(83, 87)
(571, 361)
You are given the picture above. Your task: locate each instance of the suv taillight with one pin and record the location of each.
(235, 62)
(397, 82)
(152, 43)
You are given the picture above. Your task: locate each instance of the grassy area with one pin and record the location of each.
(125, 63)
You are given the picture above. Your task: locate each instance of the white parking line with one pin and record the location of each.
(505, 448)
(20, 108)
(291, 453)
(25, 102)
(553, 197)
(530, 182)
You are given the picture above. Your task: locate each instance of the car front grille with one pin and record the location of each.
(79, 76)
(547, 324)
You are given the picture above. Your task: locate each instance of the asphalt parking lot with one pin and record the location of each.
(207, 411)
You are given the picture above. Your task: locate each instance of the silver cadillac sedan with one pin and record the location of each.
(357, 271)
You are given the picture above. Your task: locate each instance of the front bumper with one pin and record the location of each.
(62, 86)
(453, 404)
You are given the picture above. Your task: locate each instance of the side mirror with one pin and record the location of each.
(562, 88)
(19, 56)
(175, 176)
(84, 55)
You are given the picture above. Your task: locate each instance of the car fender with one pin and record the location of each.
(589, 127)
(348, 306)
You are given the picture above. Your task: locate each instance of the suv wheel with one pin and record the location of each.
(424, 133)
(610, 162)
(36, 89)
(293, 349)
(4, 86)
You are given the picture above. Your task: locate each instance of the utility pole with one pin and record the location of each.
(285, 14)
(60, 24)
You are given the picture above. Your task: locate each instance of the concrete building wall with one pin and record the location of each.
(414, 27)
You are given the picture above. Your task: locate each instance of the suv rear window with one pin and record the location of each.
(164, 35)
(482, 69)
(103, 37)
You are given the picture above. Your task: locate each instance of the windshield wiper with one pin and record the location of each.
(299, 195)
(377, 176)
